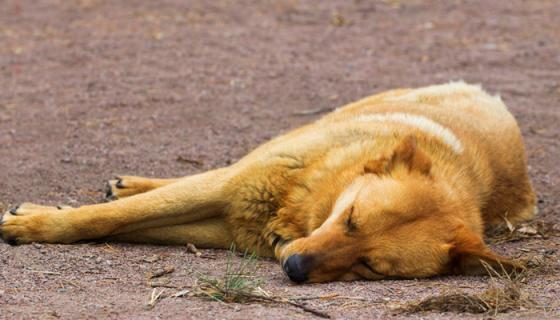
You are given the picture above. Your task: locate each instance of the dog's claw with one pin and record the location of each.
(14, 210)
(108, 191)
(119, 184)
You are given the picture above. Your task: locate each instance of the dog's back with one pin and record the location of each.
(475, 125)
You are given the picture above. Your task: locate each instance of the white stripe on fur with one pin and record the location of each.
(344, 201)
(423, 123)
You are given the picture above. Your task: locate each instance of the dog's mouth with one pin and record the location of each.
(279, 245)
(278, 242)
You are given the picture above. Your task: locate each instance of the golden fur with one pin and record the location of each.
(399, 184)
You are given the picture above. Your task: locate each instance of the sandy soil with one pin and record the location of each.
(92, 88)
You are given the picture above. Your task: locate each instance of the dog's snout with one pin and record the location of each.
(297, 267)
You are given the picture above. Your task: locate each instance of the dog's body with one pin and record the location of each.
(401, 183)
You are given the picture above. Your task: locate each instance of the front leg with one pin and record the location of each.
(191, 199)
(209, 233)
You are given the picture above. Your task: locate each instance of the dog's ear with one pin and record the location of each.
(377, 166)
(470, 256)
(405, 154)
(408, 154)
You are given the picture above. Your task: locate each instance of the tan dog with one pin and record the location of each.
(399, 184)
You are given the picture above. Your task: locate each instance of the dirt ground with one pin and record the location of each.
(92, 88)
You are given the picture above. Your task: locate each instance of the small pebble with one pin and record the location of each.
(152, 259)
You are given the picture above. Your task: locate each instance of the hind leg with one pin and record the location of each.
(514, 201)
(126, 186)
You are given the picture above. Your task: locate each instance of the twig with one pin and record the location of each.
(110, 248)
(154, 297)
(308, 309)
(161, 284)
(308, 112)
(208, 257)
(181, 293)
(353, 298)
(43, 271)
(290, 302)
(195, 162)
(72, 283)
(329, 296)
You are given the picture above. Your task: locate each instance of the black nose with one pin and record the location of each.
(297, 267)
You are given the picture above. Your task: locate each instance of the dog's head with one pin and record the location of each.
(394, 221)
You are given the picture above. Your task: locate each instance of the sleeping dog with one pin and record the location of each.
(400, 184)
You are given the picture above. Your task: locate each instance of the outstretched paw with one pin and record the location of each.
(30, 223)
(126, 186)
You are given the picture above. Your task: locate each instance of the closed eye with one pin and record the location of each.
(350, 225)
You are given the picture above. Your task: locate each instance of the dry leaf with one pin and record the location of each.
(181, 293)
(160, 272)
(529, 230)
(152, 259)
(192, 249)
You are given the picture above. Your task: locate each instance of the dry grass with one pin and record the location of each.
(497, 298)
(155, 296)
(530, 230)
(239, 284)
(504, 293)
(540, 264)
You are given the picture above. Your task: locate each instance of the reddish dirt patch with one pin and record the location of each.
(92, 88)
